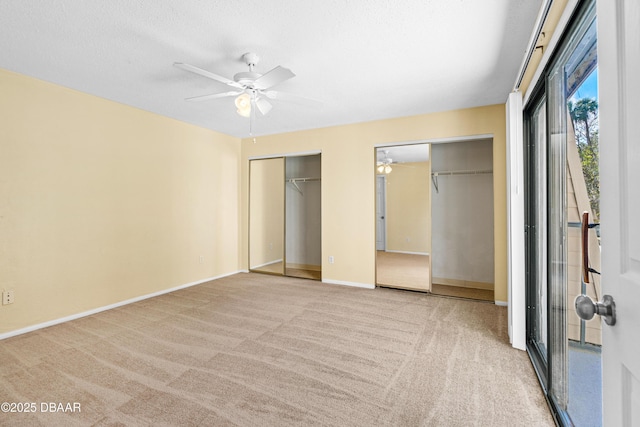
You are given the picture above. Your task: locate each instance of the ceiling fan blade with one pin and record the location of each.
(286, 96)
(214, 96)
(263, 105)
(273, 77)
(207, 74)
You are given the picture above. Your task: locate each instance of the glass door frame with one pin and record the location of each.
(538, 355)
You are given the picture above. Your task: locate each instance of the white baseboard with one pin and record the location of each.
(502, 303)
(343, 283)
(107, 307)
(407, 252)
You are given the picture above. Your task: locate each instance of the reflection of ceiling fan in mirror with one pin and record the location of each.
(250, 88)
(384, 164)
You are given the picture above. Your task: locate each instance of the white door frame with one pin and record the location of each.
(619, 91)
(517, 326)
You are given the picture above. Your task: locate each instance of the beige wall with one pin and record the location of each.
(348, 184)
(100, 202)
(408, 213)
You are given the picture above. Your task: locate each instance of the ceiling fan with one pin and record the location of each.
(250, 88)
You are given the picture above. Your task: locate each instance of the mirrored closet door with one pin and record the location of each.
(266, 215)
(403, 217)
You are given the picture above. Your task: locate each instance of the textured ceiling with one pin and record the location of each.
(365, 60)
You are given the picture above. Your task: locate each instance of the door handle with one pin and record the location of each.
(586, 308)
(585, 247)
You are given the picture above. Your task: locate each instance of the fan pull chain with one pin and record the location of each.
(251, 114)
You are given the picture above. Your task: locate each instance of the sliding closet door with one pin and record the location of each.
(303, 217)
(266, 215)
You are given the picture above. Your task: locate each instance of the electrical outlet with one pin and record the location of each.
(8, 297)
(331, 259)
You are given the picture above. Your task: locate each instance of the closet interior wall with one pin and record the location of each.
(462, 214)
(303, 252)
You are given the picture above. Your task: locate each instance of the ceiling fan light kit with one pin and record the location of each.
(384, 169)
(243, 102)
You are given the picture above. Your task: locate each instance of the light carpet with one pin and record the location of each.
(255, 349)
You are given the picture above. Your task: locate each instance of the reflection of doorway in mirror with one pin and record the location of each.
(381, 227)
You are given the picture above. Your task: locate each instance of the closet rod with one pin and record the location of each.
(295, 182)
(302, 179)
(435, 175)
(470, 172)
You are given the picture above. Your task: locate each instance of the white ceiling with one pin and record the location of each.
(365, 59)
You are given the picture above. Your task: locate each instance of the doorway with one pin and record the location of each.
(563, 191)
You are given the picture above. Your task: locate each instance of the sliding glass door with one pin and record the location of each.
(561, 134)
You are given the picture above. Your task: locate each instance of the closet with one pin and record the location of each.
(285, 216)
(434, 218)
